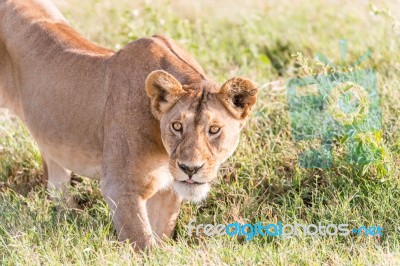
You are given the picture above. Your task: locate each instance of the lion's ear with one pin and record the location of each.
(164, 91)
(238, 95)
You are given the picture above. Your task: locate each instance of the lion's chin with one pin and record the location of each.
(191, 192)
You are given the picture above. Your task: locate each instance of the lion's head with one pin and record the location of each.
(200, 126)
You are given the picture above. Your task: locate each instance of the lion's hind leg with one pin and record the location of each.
(58, 180)
(8, 94)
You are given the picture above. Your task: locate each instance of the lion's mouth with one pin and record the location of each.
(192, 182)
(192, 190)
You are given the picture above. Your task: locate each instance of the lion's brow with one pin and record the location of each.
(201, 105)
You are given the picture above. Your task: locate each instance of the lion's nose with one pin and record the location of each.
(189, 170)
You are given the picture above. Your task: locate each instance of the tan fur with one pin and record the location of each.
(88, 110)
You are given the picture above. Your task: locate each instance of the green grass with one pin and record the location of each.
(262, 181)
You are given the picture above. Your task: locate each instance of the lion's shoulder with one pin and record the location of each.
(171, 55)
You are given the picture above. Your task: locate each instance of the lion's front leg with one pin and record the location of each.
(163, 211)
(129, 213)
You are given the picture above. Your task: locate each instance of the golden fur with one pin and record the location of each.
(114, 116)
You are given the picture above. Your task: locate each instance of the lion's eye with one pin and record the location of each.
(214, 130)
(177, 126)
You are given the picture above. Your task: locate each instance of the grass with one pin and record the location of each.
(262, 181)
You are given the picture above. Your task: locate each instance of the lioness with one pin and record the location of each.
(145, 120)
